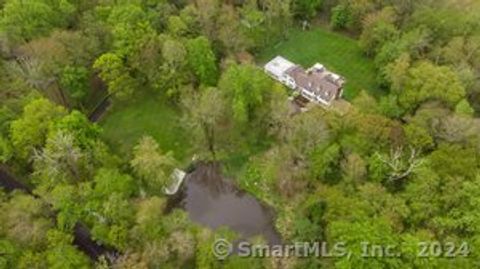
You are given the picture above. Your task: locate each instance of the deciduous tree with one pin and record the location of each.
(114, 72)
(246, 88)
(152, 165)
(24, 20)
(427, 81)
(201, 60)
(205, 116)
(29, 132)
(306, 9)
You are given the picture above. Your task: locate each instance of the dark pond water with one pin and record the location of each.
(214, 201)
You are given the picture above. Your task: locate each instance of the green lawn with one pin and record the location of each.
(126, 123)
(148, 115)
(339, 53)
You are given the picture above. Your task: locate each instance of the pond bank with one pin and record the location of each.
(214, 201)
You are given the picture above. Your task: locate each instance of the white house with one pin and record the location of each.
(317, 84)
(277, 68)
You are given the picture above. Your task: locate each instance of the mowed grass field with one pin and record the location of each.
(126, 123)
(339, 53)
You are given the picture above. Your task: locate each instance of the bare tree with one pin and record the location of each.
(401, 164)
(60, 159)
(31, 70)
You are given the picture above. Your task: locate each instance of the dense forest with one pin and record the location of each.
(398, 164)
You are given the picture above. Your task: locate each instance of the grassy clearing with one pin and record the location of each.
(148, 115)
(339, 53)
(126, 123)
(234, 161)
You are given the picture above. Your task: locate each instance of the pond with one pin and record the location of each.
(214, 201)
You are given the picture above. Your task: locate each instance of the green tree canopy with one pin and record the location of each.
(201, 60)
(29, 132)
(246, 88)
(24, 20)
(152, 165)
(428, 81)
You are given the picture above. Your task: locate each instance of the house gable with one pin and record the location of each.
(316, 83)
